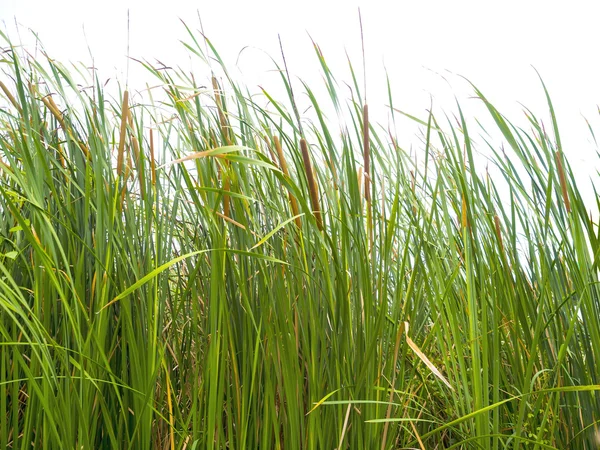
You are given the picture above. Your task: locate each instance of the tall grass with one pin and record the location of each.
(213, 270)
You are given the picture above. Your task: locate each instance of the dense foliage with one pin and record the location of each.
(216, 269)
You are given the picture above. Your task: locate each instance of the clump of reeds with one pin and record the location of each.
(199, 305)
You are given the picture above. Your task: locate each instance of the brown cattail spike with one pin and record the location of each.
(312, 183)
(136, 155)
(124, 115)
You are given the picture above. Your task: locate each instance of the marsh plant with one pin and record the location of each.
(200, 265)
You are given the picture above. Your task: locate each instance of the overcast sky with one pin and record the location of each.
(424, 45)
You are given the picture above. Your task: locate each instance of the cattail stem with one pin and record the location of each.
(359, 178)
(312, 183)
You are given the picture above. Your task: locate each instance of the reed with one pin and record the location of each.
(176, 299)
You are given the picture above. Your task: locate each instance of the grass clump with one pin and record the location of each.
(210, 270)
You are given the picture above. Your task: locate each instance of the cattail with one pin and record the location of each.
(464, 221)
(125, 178)
(312, 183)
(136, 155)
(134, 141)
(563, 181)
(284, 169)
(498, 231)
(123, 132)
